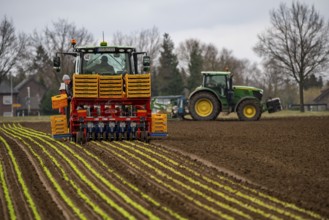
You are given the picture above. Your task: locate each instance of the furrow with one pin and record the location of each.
(99, 177)
(125, 182)
(240, 187)
(192, 199)
(57, 186)
(255, 199)
(25, 189)
(7, 196)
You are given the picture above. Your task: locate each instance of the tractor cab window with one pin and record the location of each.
(217, 83)
(105, 63)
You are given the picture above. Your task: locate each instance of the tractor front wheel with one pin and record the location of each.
(204, 106)
(249, 110)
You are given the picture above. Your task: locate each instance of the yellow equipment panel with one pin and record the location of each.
(85, 86)
(59, 101)
(58, 124)
(159, 123)
(138, 85)
(110, 86)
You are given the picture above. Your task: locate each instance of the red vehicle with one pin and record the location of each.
(111, 96)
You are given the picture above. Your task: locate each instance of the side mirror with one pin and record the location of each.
(146, 63)
(57, 63)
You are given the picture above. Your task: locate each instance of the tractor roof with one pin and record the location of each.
(215, 73)
(104, 49)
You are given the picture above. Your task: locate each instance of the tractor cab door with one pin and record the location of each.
(217, 83)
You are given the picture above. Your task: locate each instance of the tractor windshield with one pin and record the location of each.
(215, 81)
(105, 63)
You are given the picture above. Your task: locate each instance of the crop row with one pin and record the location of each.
(22, 183)
(251, 195)
(82, 169)
(41, 140)
(141, 152)
(5, 188)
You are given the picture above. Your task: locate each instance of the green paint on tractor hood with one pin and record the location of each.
(251, 88)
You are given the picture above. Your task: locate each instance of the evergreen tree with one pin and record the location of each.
(195, 67)
(42, 66)
(169, 79)
(46, 105)
(312, 81)
(154, 79)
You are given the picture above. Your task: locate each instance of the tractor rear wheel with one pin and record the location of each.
(249, 110)
(204, 106)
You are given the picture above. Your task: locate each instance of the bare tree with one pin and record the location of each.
(57, 38)
(184, 51)
(148, 40)
(213, 60)
(273, 77)
(11, 47)
(210, 60)
(298, 42)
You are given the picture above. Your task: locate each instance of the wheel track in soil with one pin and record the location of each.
(136, 168)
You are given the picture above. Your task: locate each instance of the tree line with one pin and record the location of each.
(294, 52)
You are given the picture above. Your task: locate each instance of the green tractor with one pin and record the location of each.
(218, 94)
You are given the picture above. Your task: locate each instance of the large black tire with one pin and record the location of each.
(249, 110)
(204, 106)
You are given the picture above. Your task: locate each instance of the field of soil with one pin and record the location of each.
(289, 156)
(269, 169)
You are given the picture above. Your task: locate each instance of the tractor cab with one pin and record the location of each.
(217, 81)
(106, 60)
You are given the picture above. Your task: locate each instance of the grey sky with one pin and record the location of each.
(231, 24)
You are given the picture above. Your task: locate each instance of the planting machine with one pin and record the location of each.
(111, 96)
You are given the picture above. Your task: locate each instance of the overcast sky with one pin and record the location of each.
(233, 24)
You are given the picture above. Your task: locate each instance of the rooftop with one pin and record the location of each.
(5, 88)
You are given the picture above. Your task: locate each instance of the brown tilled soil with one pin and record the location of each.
(284, 158)
(289, 156)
